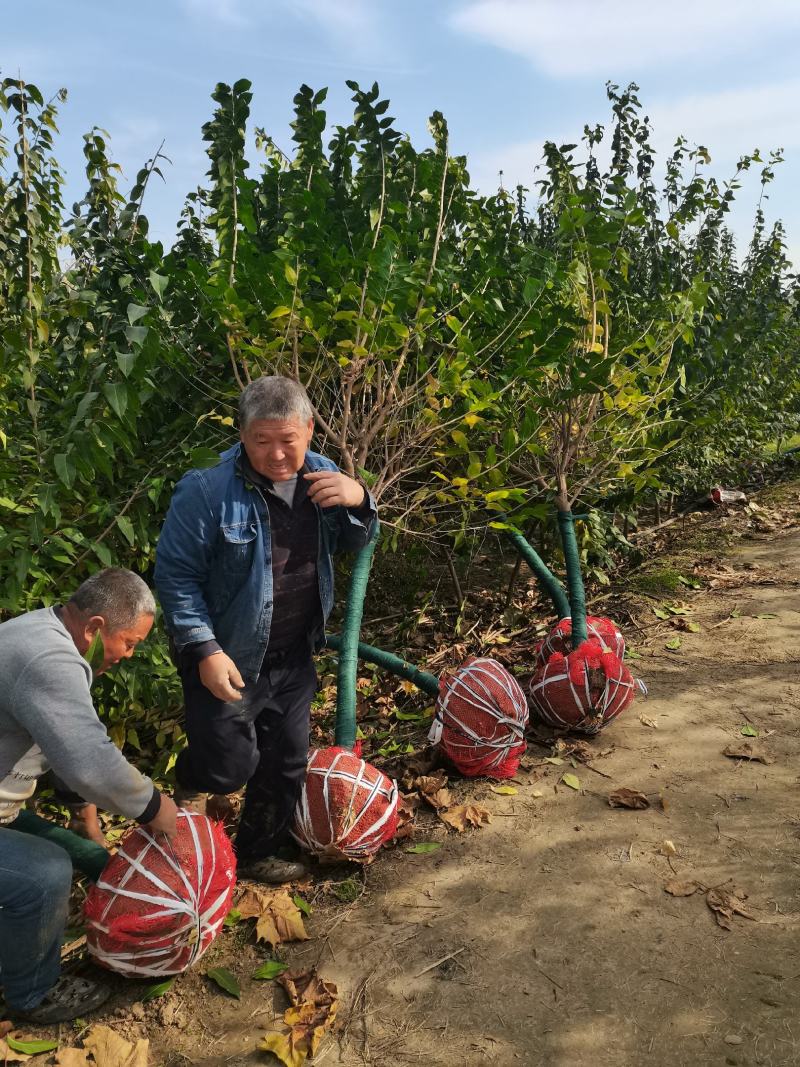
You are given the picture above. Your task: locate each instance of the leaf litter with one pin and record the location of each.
(312, 1012)
(277, 916)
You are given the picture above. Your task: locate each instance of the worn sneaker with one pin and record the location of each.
(273, 870)
(70, 998)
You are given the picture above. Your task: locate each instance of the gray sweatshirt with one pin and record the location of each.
(48, 720)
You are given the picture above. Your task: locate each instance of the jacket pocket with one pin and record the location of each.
(238, 547)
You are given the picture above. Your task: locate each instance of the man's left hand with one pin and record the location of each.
(332, 488)
(83, 821)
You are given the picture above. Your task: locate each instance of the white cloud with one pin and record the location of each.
(729, 123)
(569, 38)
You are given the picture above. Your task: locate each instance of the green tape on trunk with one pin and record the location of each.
(348, 653)
(544, 576)
(428, 683)
(88, 857)
(577, 594)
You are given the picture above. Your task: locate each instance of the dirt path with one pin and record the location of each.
(569, 950)
(557, 942)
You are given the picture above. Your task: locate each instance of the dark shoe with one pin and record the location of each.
(273, 870)
(70, 998)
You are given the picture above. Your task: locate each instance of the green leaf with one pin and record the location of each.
(20, 508)
(662, 613)
(302, 905)
(32, 1048)
(204, 457)
(136, 334)
(126, 526)
(749, 731)
(767, 615)
(424, 847)
(64, 468)
(555, 760)
(159, 282)
(136, 312)
(571, 780)
(95, 654)
(225, 980)
(279, 312)
(693, 627)
(290, 274)
(157, 990)
(268, 970)
(117, 395)
(233, 917)
(673, 644)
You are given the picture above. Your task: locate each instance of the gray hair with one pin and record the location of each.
(119, 596)
(274, 397)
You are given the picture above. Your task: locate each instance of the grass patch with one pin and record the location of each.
(660, 581)
(347, 891)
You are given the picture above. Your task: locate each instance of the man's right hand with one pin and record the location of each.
(220, 675)
(165, 821)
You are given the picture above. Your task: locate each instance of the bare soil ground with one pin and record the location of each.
(547, 936)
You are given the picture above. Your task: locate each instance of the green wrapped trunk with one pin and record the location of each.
(348, 650)
(545, 577)
(577, 594)
(428, 683)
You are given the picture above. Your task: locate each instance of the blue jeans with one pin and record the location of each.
(35, 881)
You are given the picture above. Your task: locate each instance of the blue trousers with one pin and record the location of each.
(35, 880)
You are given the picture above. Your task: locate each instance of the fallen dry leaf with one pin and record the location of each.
(645, 720)
(725, 903)
(111, 1049)
(681, 889)
(72, 1057)
(748, 751)
(465, 815)
(628, 798)
(8, 1055)
(432, 789)
(312, 1012)
(668, 848)
(6, 1026)
(277, 916)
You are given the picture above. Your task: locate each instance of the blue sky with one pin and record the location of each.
(507, 74)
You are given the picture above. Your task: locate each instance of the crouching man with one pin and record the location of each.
(48, 721)
(245, 577)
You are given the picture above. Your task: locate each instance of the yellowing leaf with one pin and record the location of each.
(504, 790)
(110, 1049)
(465, 815)
(277, 916)
(571, 780)
(471, 419)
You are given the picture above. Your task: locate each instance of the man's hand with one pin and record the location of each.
(165, 821)
(329, 488)
(220, 675)
(83, 821)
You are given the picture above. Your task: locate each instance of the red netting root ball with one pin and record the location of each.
(583, 690)
(159, 904)
(347, 808)
(481, 717)
(560, 638)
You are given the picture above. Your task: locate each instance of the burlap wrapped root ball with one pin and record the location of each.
(481, 715)
(159, 904)
(560, 638)
(347, 808)
(583, 690)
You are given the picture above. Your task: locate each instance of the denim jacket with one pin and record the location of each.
(214, 560)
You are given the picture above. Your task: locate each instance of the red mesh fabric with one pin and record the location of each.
(347, 808)
(560, 638)
(159, 904)
(583, 690)
(483, 714)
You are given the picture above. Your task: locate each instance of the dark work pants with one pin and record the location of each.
(260, 741)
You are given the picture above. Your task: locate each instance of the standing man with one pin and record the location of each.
(47, 720)
(245, 577)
